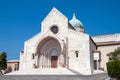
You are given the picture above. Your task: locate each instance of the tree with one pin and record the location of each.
(3, 61)
(113, 69)
(113, 66)
(114, 55)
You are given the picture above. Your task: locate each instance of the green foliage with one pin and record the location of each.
(113, 68)
(3, 61)
(114, 55)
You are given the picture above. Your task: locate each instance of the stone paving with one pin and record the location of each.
(102, 76)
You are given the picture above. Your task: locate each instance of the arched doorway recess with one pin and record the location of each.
(49, 53)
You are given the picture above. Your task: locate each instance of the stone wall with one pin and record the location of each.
(81, 43)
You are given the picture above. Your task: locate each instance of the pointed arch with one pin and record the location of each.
(43, 41)
(49, 53)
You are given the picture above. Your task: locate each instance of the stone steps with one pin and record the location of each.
(77, 73)
(102, 76)
(50, 71)
(56, 71)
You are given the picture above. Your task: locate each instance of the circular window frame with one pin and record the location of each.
(54, 29)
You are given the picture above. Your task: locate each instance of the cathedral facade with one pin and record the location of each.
(62, 43)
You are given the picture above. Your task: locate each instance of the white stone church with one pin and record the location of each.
(63, 45)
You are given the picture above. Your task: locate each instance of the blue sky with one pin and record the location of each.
(21, 19)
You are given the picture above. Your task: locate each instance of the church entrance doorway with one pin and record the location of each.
(49, 53)
(54, 60)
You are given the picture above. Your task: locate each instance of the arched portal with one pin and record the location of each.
(49, 53)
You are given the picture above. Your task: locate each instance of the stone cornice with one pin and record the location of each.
(108, 43)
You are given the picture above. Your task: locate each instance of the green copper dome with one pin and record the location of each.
(75, 22)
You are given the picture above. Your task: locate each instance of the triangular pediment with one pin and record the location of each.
(53, 13)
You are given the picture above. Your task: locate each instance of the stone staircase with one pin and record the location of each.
(52, 74)
(51, 71)
(45, 71)
(77, 73)
(102, 76)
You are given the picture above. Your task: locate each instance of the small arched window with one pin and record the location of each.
(33, 56)
(76, 54)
